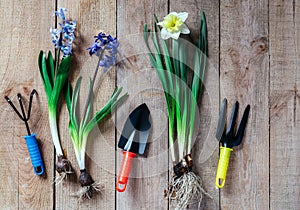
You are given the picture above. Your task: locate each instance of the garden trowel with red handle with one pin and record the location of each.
(133, 141)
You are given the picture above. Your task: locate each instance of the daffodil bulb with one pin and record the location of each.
(173, 24)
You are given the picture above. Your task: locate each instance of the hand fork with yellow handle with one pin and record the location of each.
(228, 139)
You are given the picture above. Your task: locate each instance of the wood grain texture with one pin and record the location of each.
(244, 77)
(92, 17)
(149, 175)
(22, 37)
(284, 104)
(205, 149)
(257, 42)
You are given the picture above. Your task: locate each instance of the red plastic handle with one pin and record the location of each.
(124, 171)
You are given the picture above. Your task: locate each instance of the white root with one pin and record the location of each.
(87, 192)
(186, 190)
(61, 176)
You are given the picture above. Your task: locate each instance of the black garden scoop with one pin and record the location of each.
(228, 139)
(32, 145)
(133, 141)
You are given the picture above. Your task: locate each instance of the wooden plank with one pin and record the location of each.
(92, 17)
(205, 152)
(22, 39)
(149, 175)
(245, 77)
(284, 104)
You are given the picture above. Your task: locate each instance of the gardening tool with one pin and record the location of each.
(228, 139)
(133, 141)
(32, 145)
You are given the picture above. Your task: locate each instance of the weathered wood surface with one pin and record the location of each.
(284, 105)
(23, 36)
(140, 81)
(253, 47)
(205, 152)
(100, 161)
(245, 77)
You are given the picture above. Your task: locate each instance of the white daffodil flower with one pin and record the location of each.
(173, 25)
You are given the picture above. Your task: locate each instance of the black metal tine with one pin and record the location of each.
(222, 120)
(23, 112)
(230, 128)
(30, 103)
(14, 108)
(242, 127)
(21, 105)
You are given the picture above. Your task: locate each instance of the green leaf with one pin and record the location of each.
(160, 70)
(175, 55)
(44, 74)
(155, 18)
(74, 136)
(158, 65)
(183, 76)
(50, 68)
(107, 109)
(73, 114)
(110, 106)
(182, 59)
(203, 47)
(200, 58)
(68, 97)
(166, 54)
(72, 103)
(89, 105)
(199, 75)
(172, 95)
(40, 61)
(196, 77)
(167, 60)
(61, 77)
(202, 41)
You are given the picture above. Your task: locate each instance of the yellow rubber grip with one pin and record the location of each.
(223, 166)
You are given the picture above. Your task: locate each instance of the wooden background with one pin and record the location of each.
(253, 52)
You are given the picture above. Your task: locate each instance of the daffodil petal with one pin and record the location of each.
(185, 29)
(183, 16)
(175, 35)
(173, 25)
(172, 13)
(165, 34)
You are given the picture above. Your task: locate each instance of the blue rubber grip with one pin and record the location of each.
(35, 155)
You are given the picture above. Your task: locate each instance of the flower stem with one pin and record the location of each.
(57, 55)
(92, 86)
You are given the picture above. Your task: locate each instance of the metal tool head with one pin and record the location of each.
(222, 120)
(242, 127)
(230, 139)
(22, 116)
(136, 131)
(231, 125)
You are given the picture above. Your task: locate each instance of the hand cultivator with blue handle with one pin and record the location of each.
(32, 145)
